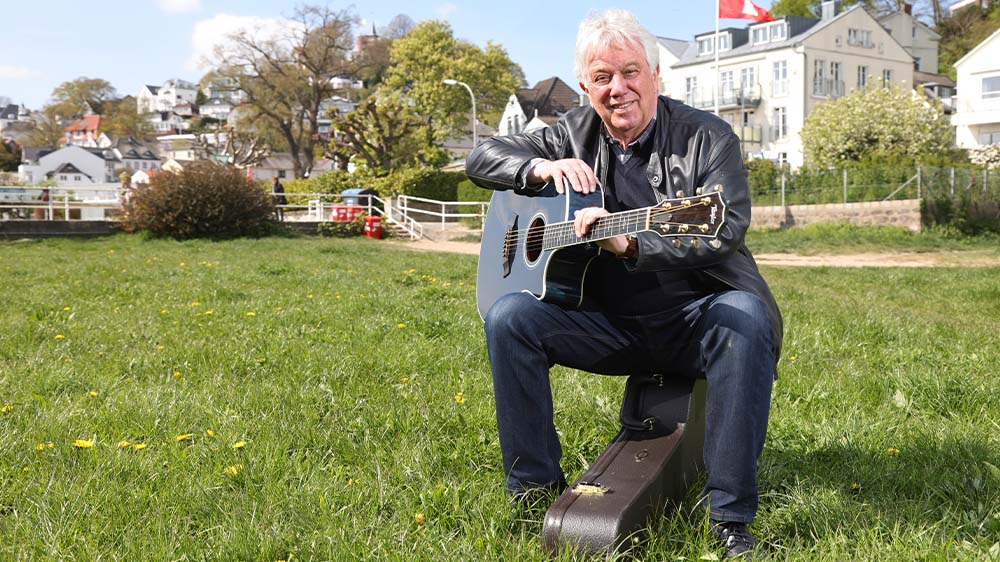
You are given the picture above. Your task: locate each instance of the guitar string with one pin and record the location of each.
(564, 230)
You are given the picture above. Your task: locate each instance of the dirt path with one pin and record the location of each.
(899, 259)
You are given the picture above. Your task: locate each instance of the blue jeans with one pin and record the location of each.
(724, 337)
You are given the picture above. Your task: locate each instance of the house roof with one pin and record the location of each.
(675, 46)
(919, 23)
(799, 29)
(153, 89)
(549, 98)
(33, 153)
(68, 168)
(88, 123)
(975, 49)
(921, 78)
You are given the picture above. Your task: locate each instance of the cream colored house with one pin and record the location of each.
(773, 74)
(918, 39)
(977, 110)
(670, 51)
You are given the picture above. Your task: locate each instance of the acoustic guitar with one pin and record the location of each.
(529, 243)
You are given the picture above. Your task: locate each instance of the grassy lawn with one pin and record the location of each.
(318, 399)
(845, 239)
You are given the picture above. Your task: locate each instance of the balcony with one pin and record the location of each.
(730, 97)
(750, 136)
(828, 88)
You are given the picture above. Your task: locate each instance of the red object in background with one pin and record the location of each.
(339, 213)
(249, 175)
(354, 211)
(744, 10)
(373, 226)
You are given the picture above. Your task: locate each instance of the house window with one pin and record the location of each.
(706, 46)
(281, 174)
(782, 158)
(862, 75)
(859, 38)
(726, 84)
(747, 79)
(778, 32)
(76, 178)
(759, 35)
(747, 118)
(780, 75)
(989, 138)
(724, 42)
(917, 61)
(887, 77)
(819, 77)
(991, 87)
(836, 80)
(62, 177)
(779, 123)
(690, 85)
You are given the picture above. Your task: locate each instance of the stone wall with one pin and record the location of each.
(905, 213)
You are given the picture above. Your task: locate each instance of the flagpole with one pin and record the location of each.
(716, 41)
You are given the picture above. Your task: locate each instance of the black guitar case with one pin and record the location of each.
(653, 460)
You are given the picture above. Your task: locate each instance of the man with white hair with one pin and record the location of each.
(652, 304)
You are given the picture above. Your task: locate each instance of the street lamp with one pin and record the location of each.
(475, 136)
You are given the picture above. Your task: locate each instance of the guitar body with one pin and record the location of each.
(511, 259)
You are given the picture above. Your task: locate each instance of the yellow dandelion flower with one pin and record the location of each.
(195, 303)
(792, 358)
(209, 312)
(239, 445)
(40, 447)
(337, 296)
(310, 296)
(100, 354)
(83, 444)
(400, 325)
(183, 437)
(234, 469)
(261, 360)
(251, 313)
(92, 394)
(183, 264)
(411, 270)
(892, 451)
(50, 445)
(163, 311)
(138, 446)
(60, 337)
(351, 481)
(210, 433)
(26, 469)
(161, 347)
(124, 444)
(67, 308)
(404, 380)
(460, 398)
(178, 374)
(419, 518)
(7, 408)
(855, 487)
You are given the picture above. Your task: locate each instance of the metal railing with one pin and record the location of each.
(93, 202)
(407, 207)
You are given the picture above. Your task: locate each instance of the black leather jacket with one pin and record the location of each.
(692, 149)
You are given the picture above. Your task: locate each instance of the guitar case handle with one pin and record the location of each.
(655, 404)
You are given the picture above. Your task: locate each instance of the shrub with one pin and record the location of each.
(420, 181)
(203, 200)
(965, 214)
(342, 229)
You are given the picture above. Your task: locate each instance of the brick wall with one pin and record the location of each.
(905, 213)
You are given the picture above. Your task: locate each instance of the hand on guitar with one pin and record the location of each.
(578, 172)
(584, 218)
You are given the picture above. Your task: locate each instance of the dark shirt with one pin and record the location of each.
(616, 289)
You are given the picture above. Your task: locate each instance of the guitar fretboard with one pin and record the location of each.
(562, 234)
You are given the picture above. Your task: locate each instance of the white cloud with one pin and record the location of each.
(10, 72)
(445, 10)
(179, 6)
(216, 31)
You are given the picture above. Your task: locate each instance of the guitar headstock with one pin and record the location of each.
(699, 216)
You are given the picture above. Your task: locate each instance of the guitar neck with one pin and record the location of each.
(562, 234)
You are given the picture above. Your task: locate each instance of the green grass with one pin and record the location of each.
(338, 363)
(842, 238)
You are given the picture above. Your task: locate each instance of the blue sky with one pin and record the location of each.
(131, 43)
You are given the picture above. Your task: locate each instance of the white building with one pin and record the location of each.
(670, 52)
(773, 74)
(918, 39)
(172, 93)
(69, 166)
(977, 109)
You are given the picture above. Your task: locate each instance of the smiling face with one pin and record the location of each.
(622, 89)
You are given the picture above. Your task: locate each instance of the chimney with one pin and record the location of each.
(908, 8)
(828, 9)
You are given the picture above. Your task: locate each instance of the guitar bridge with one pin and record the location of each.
(509, 245)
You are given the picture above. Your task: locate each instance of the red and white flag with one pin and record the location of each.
(743, 10)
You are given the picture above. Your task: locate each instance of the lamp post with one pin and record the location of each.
(475, 136)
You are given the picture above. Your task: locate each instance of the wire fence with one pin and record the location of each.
(812, 187)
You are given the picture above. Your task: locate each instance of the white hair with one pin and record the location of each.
(612, 28)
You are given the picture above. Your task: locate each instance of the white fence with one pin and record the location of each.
(61, 203)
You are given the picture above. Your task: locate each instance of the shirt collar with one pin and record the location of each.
(624, 154)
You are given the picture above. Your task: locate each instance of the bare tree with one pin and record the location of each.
(240, 149)
(287, 77)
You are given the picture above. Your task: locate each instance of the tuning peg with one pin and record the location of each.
(718, 187)
(683, 228)
(676, 242)
(666, 205)
(699, 191)
(665, 228)
(706, 200)
(703, 228)
(695, 243)
(680, 193)
(715, 244)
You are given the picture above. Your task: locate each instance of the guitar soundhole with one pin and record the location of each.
(533, 239)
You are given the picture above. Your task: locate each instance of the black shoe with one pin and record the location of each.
(536, 494)
(735, 537)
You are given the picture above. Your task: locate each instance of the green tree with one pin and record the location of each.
(427, 55)
(962, 31)
(48, 129)
(10, 156)
(121, 119)
(811, 8)
(70, 99)
(383, 133)
(287, 78)
(875, 123)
